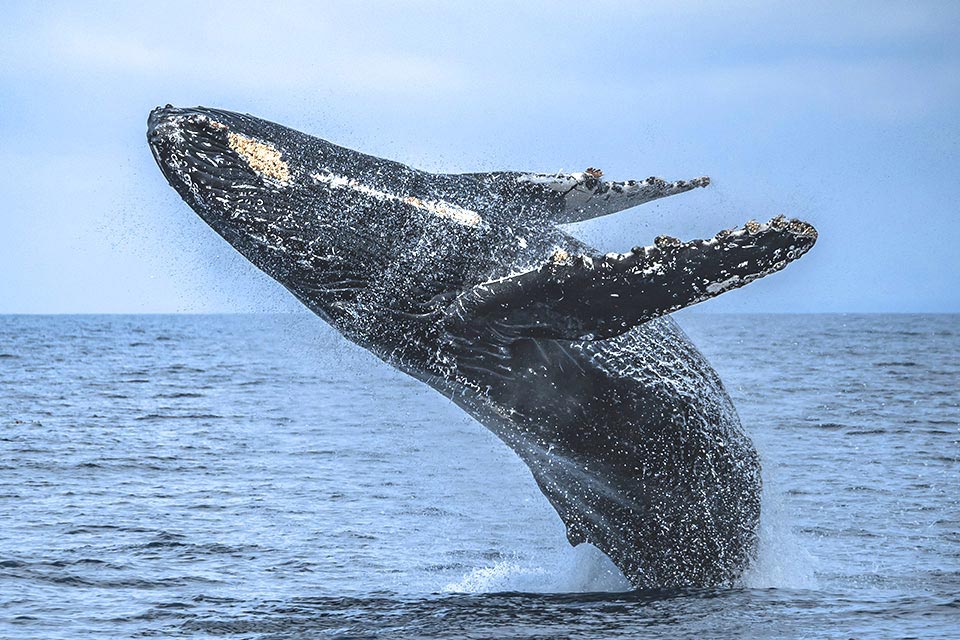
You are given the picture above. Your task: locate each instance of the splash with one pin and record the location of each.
(582, 569)
(782, 560)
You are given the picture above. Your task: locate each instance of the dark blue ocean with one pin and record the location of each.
(258, 477)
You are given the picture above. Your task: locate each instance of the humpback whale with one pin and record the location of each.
(468, 283)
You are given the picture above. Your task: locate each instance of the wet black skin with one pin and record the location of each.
(629, 434)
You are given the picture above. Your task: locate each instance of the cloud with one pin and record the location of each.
(220, 47)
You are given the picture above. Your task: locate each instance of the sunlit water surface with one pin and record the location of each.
(257, 476)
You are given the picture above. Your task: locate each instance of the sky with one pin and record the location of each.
(841, 113)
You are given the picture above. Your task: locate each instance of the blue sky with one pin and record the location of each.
(845, 114)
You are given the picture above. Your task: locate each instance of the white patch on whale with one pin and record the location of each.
(440, 208)
(263, 158)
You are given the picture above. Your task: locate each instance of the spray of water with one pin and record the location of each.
(782, 562)
(562, 570)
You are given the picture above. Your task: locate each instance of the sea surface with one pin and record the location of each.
(258, 477)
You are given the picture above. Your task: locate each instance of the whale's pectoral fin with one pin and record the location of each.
(585, 195)
(597, 297)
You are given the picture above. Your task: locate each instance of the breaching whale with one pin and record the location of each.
(466, 282)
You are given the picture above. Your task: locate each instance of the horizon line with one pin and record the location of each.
(307, 313)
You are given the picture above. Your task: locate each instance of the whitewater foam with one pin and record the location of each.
(571, 570)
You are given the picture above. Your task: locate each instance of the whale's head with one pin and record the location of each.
(331, 224)
(239, 173)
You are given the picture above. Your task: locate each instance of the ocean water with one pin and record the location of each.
(259, 477)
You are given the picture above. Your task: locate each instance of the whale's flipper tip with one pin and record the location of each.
(587, 195)
(583, 297)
